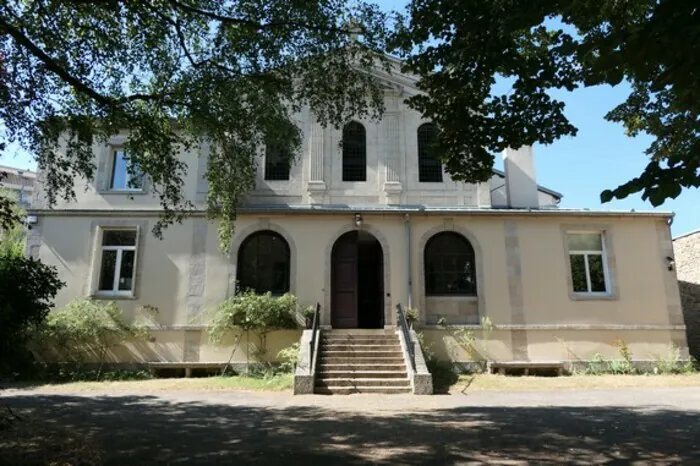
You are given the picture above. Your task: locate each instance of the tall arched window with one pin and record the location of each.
(450, 267)
(354, 152)
(263, 263)
(429, 166)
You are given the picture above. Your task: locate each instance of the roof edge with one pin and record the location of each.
(689, 233)
(544, 189)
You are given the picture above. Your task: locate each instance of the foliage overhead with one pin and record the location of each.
(459, 48)
(175, 74)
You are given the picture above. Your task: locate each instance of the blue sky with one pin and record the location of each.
(599, 157)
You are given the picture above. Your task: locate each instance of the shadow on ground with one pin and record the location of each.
(150, 430)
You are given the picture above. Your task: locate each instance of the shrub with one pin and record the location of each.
(257, 313)
(672, 362)
(86, 330)
(289, 357)
(27, 290)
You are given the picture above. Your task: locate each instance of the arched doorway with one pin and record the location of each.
(357, 281)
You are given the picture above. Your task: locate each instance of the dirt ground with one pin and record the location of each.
(651, 425)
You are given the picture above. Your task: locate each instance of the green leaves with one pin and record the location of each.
(460, 48)
(178, 75)
(27, 290)
(248, 311)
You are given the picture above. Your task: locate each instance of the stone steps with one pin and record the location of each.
(361, 361)
(366, 374)
(333, 390)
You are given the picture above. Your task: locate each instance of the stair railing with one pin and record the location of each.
(314, 334)
(403, 326)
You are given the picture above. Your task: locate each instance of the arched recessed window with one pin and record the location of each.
(429, 166)
(263, 263)
(354, 152)
(450, 267)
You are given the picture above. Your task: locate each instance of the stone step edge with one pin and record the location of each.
(359, 390)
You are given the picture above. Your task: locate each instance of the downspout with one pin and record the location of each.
(409, 268)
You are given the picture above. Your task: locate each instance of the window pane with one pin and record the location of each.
(595, 268)
(126, 275)
(354, 152)
(135, 181)
(429, 166)
(585, 242)
(119, 175)
(263, 263)
(119, 238)
(107, 269)
(276, 163)
(449, 265)
(578, 273)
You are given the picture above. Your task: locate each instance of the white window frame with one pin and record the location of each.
(127, 176)
(586, 253)
(115, 291)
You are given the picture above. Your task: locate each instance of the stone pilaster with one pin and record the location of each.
(515, 290)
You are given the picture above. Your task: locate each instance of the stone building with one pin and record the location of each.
(363, 226)
(687, 250)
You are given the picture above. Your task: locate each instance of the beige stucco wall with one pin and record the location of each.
(523, 279)
(687, 254)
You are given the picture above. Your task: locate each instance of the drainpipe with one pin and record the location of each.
(407, 223)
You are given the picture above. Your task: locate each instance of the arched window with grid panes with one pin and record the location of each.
(354, 152)
(450, 266)
(263, 263)
(429, 166)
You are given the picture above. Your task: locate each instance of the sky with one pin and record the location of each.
(598, 158)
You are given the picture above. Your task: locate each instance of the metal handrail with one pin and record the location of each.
(403, 325)
(314, 331)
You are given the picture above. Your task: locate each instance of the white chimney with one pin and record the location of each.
(521, 184)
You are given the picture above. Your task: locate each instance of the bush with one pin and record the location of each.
(249, 312)
(27, 290)
(85, 331)
(672, 362)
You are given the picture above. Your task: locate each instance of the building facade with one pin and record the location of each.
(20, 184)
(363, 226)
(687, 251)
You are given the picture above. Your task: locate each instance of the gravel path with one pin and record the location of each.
(659, 426)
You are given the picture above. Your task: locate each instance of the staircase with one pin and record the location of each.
(360, 361)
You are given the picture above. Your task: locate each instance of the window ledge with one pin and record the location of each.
(453, 297)
(122, 192)
(592, 297)
(112, 297)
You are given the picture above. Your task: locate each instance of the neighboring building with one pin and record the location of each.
(20, 183)
(364, 228)
(687, 250)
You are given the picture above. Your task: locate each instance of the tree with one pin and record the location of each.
(175, 73)
(459, 48)
(27, 290)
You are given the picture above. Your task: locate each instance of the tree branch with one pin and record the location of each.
(34, 49)
(246, 22)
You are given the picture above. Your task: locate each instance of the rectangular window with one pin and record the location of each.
(276, 164)
(121, 179)
(589, 273)
(117, 262)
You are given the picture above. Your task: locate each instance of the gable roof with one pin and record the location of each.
(541, 188)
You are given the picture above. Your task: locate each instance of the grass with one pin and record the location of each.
(480, 382)
(484, 382)
(272, 384)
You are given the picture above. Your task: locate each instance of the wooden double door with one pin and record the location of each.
(357, 282)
